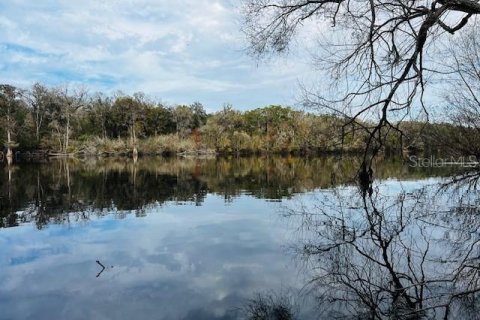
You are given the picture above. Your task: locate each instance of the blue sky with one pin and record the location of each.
(177, 51)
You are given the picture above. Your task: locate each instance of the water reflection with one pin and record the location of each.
(61, 191)
(178, 262)
(208, 241)
(397, 252)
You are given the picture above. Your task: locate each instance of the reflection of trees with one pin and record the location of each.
(270, 307)
(60, 191)
(7, 200)
(403, 256)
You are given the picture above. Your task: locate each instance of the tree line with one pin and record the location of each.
(63, 120)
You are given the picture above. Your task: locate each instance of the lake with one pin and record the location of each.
(181, 238)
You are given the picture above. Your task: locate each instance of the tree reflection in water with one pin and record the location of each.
(383, 254)
(410, 254)
(63, 190)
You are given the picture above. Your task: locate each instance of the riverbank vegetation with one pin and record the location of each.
(62, 120)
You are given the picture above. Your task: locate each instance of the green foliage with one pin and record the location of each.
(61, 120)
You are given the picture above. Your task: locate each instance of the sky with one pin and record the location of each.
(176, 51)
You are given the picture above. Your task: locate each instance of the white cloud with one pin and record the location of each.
(181, 51)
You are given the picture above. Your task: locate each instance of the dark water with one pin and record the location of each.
(179, 238)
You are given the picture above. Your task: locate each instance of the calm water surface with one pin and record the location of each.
(179, 238)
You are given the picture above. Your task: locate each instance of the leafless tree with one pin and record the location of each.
(381, 54)
(402, 256)
(38, 99)
(65, 103)
(71, 102)
(270, 306)
(463, 100)
(9, 100)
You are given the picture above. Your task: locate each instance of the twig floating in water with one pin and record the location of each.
(103, 268)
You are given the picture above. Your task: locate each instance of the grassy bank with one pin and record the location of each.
(174, 145)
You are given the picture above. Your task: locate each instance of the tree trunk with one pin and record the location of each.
(67, 173)
(37, 134)
(9, 153)
(134, 141)
(9, 184)
(60, 142)
(9, 157)
(67, 133)
(9, 142)
(38, 123)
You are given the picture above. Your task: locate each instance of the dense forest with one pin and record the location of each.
(61, 120)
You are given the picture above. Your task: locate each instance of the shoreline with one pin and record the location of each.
(43, 154)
